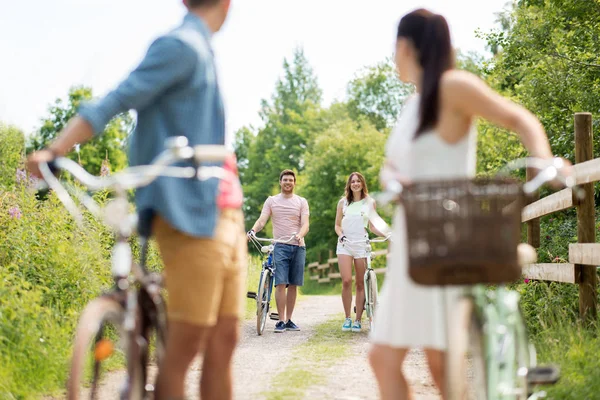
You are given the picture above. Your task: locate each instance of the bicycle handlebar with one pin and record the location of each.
(367, 240)
(275, 240)
(550, 170)
(134, 177)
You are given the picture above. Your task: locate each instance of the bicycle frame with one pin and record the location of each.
(136, 291)
(509, 359)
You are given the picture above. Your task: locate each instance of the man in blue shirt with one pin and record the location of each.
(175, 92)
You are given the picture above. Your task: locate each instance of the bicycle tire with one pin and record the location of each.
(373, 295)
(465, 362)
(90, 330)
(154, 324)
(262, 301)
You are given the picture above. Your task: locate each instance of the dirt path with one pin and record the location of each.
(258, 358)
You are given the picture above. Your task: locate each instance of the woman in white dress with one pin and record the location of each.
(434, 138)
(351, 223)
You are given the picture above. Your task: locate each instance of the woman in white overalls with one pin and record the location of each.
(351, 222)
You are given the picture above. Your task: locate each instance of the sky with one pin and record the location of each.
(49, 46)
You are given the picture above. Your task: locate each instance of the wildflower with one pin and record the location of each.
(21, 176)
(105, 168)
(526, 280)
(15, 212)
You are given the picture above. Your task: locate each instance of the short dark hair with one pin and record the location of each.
(287, 172)
(201, 3)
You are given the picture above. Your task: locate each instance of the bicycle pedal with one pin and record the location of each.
(251, 295)
(543, 375)
(274, 316)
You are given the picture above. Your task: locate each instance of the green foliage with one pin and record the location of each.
(548, 60)
(108, 145)
(12, 147)
(377, 95)
(49, 268)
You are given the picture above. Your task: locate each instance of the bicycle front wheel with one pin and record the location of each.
(262, 300)
(372, 296)
(92, 343)
(465, 363)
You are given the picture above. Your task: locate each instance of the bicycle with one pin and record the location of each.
(467, 232)
(133, 308)
(370, 277)
(265, 283)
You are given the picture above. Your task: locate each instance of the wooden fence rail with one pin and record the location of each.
(584, 256)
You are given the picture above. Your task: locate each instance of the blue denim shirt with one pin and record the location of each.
(175, 93)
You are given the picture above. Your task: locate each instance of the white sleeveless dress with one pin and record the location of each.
(411, 315)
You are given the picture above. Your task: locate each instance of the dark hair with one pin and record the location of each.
(201, 3)
(430, 36)
(287, 172)
(348, 192)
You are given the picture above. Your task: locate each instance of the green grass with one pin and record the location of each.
(552, 316)
(310, 360)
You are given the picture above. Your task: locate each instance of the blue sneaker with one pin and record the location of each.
(356, 326)
(279, 327)
(347, 327)
(290, 326)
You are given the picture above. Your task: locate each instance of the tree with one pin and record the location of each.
(548, 61)
(292, 118)
(377, 94)
(107, 146)
(12, 149)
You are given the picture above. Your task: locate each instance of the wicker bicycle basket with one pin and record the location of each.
(464, 231)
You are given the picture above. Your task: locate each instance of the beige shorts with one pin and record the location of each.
(205, 277)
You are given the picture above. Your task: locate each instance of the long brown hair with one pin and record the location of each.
(348, 192)
(430, 36)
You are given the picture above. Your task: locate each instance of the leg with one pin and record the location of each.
(345, 263)
(183, 343)
(282, 258)
(386, 363)
(292, 292)
(296, 278)
(281, 301)
(360, 265)
(216, 368)
(435, 359)
(216, 379)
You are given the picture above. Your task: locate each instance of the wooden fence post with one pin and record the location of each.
(533, 226)
(585, 275)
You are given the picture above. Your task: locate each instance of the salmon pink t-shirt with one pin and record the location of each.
(286, 214)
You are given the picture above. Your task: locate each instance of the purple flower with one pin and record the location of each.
(15, 212)
(105, 168)
(526, 280)
(21, 176)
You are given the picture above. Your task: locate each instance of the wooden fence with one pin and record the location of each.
(584, 256)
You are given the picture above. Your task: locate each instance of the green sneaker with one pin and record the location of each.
(347, 327)
(356, 326)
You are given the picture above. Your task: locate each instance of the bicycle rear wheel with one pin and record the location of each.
(262, 300)
(372, 296)
(91, 341)
(153, 330)
(465, 363)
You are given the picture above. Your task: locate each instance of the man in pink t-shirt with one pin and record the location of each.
(289, 214)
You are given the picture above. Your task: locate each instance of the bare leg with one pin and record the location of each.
(435, 359)
(360, 265)
(215, 383)
(386, 363)
(183, 343)
(345, 263)
(292, 292)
